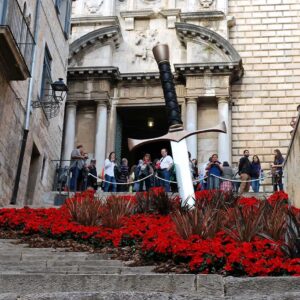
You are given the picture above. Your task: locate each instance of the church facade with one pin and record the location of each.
(233, 61)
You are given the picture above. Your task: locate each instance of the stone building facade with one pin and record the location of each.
(33, 53)
(234, 61)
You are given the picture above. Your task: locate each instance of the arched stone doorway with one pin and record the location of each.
(141, 122)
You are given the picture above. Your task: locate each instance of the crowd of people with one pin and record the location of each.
(119, 177)
(140, 177)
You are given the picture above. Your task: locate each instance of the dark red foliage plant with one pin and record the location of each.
(275, 220)
(114, 209)
(291, 244)
(84, 209)
(204, 219)
(248, 221)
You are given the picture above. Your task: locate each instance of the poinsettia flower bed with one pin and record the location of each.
(235, 236)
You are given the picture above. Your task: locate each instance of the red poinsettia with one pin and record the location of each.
(157, 234)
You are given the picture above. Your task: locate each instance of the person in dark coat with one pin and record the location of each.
(92, 180)
(277, 170)
(255, 173)
(245, 172)
(122, 176)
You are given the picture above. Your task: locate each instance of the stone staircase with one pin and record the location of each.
(45, 273)
(58, 198)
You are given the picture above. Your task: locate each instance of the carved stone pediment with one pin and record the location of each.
(111, 34)
(207, 52)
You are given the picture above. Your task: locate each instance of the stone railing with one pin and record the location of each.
(291, 167)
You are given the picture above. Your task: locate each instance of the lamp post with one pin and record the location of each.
(59, 91)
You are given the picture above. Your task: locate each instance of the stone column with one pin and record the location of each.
(191, 125)
(100, 139)
(224, 143)
(112, 122)
(70, 127)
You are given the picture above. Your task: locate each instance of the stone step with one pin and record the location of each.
(59, 257)
(75, 269)
(91, 264)
(54, 199)
(194, 285)
(88, 262)
(138, 296)
(104, 296)
(168, 283)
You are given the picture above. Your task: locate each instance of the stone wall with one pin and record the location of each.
(291, 168)
(267, 37)
(45, 135)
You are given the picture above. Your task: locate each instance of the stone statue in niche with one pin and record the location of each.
(93, 6)
(206, 3)
(144, 42)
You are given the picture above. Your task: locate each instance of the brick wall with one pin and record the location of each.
(267, 36)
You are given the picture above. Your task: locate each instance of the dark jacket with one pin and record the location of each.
(121, 173)
(245, 166)
(92, 181)
(255, 173)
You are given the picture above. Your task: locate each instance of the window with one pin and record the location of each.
(2, 7)
(46, 77)
(63, 8)
(43, 168)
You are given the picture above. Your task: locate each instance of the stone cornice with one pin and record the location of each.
(102, 35)
(95, 19)
(202, 15)
(137, 13)
(110, 73)
(181, 72)
(139, 76)
(170, 12)
(233, 69)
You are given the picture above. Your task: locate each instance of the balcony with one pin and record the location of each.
(16, 40)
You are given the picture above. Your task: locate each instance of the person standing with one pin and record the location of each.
(277, 170)
(245, 172)
(122, 175)
(196, 182)
(166, 163)
(145, 170)
(132, 179)
(92, 180)
(109, 173)
(203, 175)
(226, 185)
(214, 168)
(76, 165)
(255, 173)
